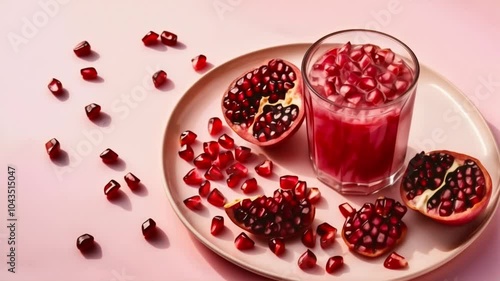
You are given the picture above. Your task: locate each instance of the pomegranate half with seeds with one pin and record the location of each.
(265, 105)
(449, 187)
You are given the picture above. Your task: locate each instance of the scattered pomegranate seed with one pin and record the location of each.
(193, 202)
(309, 238)
(159, 78)
(307, 260)
(211, 148)
(82, 49)
(111, 189)
(55, 86)
(93, 111)
(214, 126)
(217, 225)
(202, 161)
(288, 182)
(334, 263)
(148, 228)
(85, 242)
(53, 148)
(89, 73)
(327, 234)
(277, 246)
(204, 189)
(216, 198)
(346, 209)
(150, 38)
(238, 169)
(243, 242)
(224, 159)
(395, 261)
(314, 195)
(187, 137)
(242, 153)
(300, 190)
(108, 156)
(214, 173)
(186, 152)
(233, 180)
(249, 186)
(131, 180)
(168, 38)
(199, 62)
(226, 141)
(265, 168)
(193, 177)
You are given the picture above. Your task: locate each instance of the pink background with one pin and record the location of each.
(55, 203)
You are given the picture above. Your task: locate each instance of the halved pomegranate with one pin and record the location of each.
(449, 187)
(265, 105)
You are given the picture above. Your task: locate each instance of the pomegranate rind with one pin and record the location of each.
(461, 218)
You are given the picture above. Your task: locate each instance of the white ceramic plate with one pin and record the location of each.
(443, 119)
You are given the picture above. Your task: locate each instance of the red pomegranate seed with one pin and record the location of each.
(327, 234)
(249, 186)
(193, 177)
(168, 38)
(226, 141)
(300, 190)
(202, 161)
(334, 263)
(216, 198)
(233, 180)
(111, 189)
(211, 148)
(307, 260)
(242, 153)
(309, 238)
(159, 78)
(277, 246)
(131, 180)
(53, 148)
(395, 261)
(150, 38)
(55, 86)
(108, 156)
(85, 242)
(214, 126)
(204, 189)
(88, 73)
(265, 168)
(288, 182)
(214, 173)
(186, 152)
(314, 195)
(243, 242)
(199, 62)
(93, 111)
(187, 137)
(217, 225)
(224, 159)
(346, 209)
(82, 49)
(193, 202)
(238, 169)
(148, 228)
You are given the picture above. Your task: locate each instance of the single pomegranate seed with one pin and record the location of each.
(186, 152)
(108, 156)
(243, 242)
(300, 190)
(150, 38)
(211, 148)
(327, 234)
(89, 73)
(148, 228)
(168, 38)
(193, 202)
(202, 161)
(131, 180)
(249, 186)
(217, 225)
(214, 173)
(159, 78)
(346, 209)
(214, 126)
(226, 141)
(395, 261)
(199, 62)
(204, 189)
(111, 189)
(307, 260)
(216, 198)
(233, 180)
(309, 238)
(265, 168)
(313, 195)
(187, 137)
(224, 159)
(288, 182)
(277, 246)
(85, 242)
(82, 49)
(53, 148)
(334, 264)
(93, 111)
(242, 153)
(238, 169)
(55, 86)
(193, 177)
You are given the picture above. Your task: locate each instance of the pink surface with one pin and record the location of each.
(55, 203)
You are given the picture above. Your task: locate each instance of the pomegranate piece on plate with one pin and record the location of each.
(346, 209)
(309, 238)
(307, 260)
(449, 187)
(243, 242)
(55, 86)
(395, 261)
(85, 242)
(186, 152)
(150, 38)
(199, 62)
(249, 186)
(205, 188)
(82, 49)
(193, 177)
(242, 153)
(187, 137)
(53, 148)
(334, 264)
(216, 198)
(148, 228)
(226, 141)
(193, 202)
(214, 126)
(168, 38)
(277, 245)
(288, 182)
(314, 195)
(217, 225)
(327, 234)
(88, 73)
(265, 168)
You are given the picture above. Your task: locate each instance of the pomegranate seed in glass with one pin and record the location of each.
(359, 103)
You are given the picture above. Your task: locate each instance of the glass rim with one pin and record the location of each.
(319, 41)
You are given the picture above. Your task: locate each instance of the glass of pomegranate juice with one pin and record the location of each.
(360, 90)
